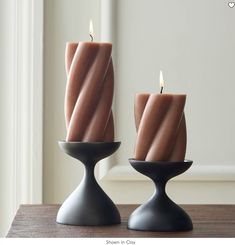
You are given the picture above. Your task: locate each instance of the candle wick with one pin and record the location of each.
(161, 90)
(91, 37)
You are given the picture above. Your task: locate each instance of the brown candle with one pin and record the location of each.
(161, 128)
(89, 92)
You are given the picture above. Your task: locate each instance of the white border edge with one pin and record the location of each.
(202, 172)
(28, 102)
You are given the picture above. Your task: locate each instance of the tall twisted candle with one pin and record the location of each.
(89, 92)
(161, 128)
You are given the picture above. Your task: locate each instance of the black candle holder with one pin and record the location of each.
(160, 213)
(88, 204)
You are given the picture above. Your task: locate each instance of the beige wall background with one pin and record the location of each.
(192, 42)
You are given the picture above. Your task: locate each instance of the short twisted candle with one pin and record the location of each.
(161, 127)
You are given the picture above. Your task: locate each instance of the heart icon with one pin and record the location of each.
(231, 4)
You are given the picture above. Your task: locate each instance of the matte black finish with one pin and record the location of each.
(160, 213)
(88, 204)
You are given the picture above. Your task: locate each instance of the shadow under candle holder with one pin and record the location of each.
(88, 204)
(160, 213)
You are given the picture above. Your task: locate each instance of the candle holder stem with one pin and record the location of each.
(88, 204)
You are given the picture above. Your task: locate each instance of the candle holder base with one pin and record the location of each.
(88, 204)
(160, 213)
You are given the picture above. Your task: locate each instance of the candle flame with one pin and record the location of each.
(161, 81)
(91, 30)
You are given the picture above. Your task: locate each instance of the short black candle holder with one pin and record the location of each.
(160, 213)
(88, 204)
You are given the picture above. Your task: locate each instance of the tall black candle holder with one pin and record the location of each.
(88, 204)
(160, 213)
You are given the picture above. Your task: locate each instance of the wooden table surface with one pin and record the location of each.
(39, 221)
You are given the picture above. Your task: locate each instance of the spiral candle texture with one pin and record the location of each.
(161, 127)
(89, 92)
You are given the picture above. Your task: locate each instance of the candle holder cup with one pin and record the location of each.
(160, 213)
(88, 204)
